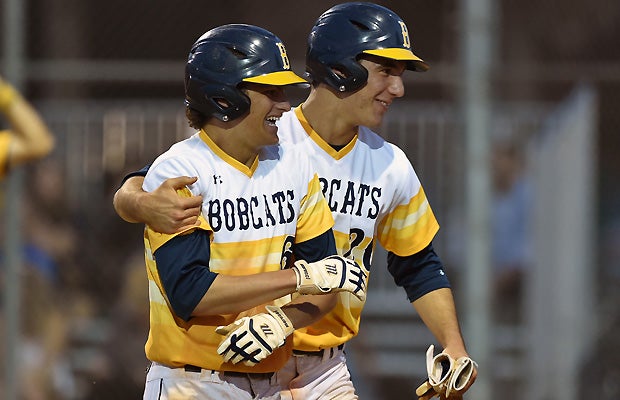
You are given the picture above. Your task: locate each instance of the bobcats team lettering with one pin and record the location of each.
(356, 198)
(255, 212)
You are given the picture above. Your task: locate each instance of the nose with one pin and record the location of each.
(397, 87)
(284, 105)
(281, 100)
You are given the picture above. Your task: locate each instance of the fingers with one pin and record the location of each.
(191, 204)
(223, 330)
(181, 181)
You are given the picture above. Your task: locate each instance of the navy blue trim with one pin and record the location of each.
(183, 266)
(140, 172)
(419, 273)
(316, 248)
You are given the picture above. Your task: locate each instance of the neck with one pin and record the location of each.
(322, 110)
(226, 138)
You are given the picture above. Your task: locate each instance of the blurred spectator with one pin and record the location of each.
(49, 223)
(45, 372)
(29, 137)
(510, 231)
(125, 366)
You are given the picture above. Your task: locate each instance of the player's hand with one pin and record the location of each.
(252, 339)
(463, 376)
(167, 212)
(447, 378)
(439, 368)
(331, 274)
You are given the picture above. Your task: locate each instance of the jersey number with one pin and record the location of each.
(357, 251)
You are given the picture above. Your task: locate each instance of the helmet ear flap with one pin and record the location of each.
(220, 101)
(347, 76)
(227, 103)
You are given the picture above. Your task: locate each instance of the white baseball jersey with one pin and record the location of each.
(374, 194)
(254, 215)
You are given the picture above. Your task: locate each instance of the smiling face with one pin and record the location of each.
(267, 104)
(368, 105)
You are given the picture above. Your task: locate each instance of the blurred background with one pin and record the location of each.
(513, 132)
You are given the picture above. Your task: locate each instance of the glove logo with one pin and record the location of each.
(266, 329)
(331, 269)
(305, 271)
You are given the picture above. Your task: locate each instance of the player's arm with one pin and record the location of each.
(194, 290)
(162, 209)
(31, 139)
(428, 288)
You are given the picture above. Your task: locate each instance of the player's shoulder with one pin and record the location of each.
(182, 158)
(376, 143)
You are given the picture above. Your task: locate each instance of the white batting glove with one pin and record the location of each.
(447, 378)
(331, 274)
(439, 369)
(252, 339)
(463, 376)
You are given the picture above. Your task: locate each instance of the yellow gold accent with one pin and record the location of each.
(279, 78)
(7, 96)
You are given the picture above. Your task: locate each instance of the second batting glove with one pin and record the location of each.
(331, 274)
(252, 339)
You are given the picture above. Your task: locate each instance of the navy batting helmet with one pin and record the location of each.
(226, 56)
(348, 30)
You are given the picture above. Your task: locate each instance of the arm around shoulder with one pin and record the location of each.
(163, 209)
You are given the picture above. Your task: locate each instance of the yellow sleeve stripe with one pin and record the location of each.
(248, 257)
(409, 228)
(155, 295)
(315, 216)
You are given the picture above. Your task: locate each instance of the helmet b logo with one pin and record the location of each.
(405, 33)
(285, 61)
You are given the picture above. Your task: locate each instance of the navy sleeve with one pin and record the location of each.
(183, 266)
(316, 248)
(419, 273)
(140, 172)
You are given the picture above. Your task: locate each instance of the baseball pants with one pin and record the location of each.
(317, 376)
(189, 383)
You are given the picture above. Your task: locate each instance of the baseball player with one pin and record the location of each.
(357, 53)
(29, 138)
(229, 272)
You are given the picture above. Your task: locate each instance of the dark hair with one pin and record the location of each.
(195, 118)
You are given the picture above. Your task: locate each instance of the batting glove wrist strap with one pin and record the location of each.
(252, 339)
(333, 273)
